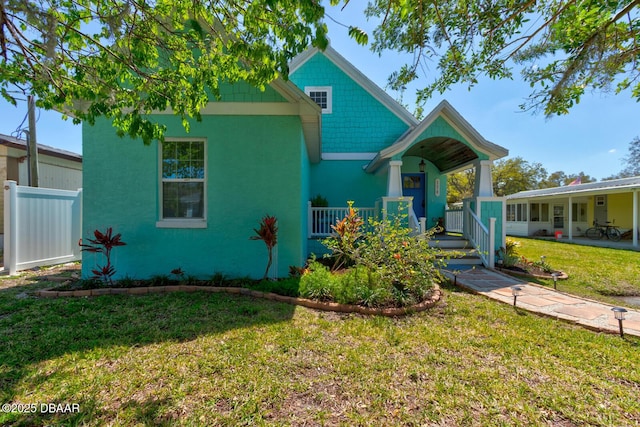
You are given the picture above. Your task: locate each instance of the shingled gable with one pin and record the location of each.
(358, 77)
(449, 163)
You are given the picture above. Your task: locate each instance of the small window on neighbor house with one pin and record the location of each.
(321, 95)
(183, 180)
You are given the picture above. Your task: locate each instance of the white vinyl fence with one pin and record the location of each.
(42, 226)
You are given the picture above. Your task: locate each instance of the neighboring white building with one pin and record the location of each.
(57, 168)
(572, 209)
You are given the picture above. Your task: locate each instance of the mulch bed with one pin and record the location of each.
(61, 275)
(520, 270)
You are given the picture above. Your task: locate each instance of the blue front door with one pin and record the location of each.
(413, 186)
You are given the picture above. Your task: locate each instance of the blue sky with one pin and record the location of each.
(593, 138)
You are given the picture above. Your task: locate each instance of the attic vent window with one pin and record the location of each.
(321, 95)
(320, 98)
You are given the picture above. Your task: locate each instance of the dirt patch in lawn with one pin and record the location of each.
(56, 274)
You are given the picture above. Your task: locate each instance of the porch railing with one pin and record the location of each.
(481, 237)
(453, 220)
(320, 220)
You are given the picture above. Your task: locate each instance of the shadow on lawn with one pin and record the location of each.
(34, 330)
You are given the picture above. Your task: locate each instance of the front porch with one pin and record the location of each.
(410, 177)
(468, 221)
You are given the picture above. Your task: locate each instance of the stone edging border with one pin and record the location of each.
(319, 305)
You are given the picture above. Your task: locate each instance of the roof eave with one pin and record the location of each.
(310, 115)
(20, 144)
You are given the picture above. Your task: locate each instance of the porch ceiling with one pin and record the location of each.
(445, 153)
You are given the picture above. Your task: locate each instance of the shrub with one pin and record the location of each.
(127, 282)
(218, 279)
(317, 283)
(390, 266)
(403, 262)
(160, 280)
(288, 287)
(319, 202)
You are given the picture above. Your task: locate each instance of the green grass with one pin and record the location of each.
(215, 359)
(596, 273)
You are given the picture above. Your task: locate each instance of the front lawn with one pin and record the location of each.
(597, 273)
(214, 359)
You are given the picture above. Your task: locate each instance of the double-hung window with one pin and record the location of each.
(183, 183)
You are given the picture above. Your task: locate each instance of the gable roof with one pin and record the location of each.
(446, 153)
(600, 187)
(21, 144)
(357, 76)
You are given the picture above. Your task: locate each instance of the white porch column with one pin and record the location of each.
(484, 183)
(635, 218)
(570, 218)
(394, 179)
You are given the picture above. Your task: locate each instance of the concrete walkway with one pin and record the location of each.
(540, 299)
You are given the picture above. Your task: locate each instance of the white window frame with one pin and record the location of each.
(182, 222)
(517, 212)
(576, 214)
(543, 214)
(329, 92)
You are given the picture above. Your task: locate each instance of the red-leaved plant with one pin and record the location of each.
(268, 233)
(103, 244)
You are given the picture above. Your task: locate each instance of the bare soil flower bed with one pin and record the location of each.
(528, 270)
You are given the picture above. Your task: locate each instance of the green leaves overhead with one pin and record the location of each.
(359, 35)
(123, 59)
(563, 47)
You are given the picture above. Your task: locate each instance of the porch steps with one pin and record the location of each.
(456, 250)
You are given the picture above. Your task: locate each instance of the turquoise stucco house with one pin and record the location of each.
(193, 201)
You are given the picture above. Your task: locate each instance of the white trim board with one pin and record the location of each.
(348, 156)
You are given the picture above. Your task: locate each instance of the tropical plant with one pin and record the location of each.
(268, 233)
(346, 234)
(104, 243)
(509, 253)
